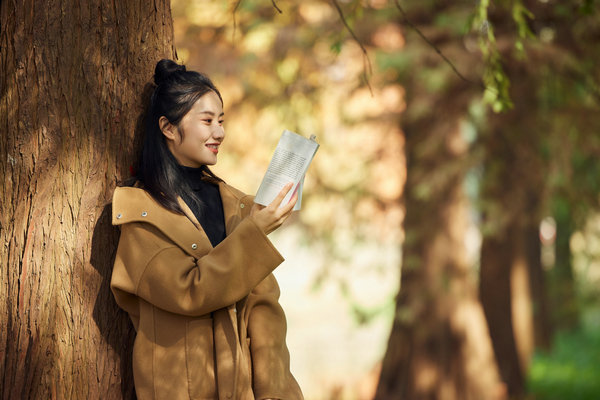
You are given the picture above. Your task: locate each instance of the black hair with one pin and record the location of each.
(177, 90)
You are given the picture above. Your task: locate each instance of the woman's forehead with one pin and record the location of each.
(209, 103)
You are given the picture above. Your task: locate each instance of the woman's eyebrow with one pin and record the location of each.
(211, 113)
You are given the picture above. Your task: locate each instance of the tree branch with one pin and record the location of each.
(277, 8)
(367, 67)
(237, 5)
(235, 8)
(433, 46)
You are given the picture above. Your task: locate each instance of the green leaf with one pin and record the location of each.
(336, 47)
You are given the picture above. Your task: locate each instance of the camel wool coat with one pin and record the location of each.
(208, 321)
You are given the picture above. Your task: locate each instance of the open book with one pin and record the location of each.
(290, 161)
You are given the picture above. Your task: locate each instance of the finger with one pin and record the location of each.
(277, 201)
(293, 200)
(289, 207)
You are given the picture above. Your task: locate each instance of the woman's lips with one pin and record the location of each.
(213, 147)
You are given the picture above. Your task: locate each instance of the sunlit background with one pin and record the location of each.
(302, 70)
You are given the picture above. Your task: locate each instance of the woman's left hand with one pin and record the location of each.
(272, 216)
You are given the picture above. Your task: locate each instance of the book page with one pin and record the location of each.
(289, 163)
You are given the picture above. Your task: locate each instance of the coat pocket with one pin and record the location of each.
(200, 359)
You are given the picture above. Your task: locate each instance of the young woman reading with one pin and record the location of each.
(194, 264)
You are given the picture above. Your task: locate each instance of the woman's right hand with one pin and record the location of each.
(272, 216)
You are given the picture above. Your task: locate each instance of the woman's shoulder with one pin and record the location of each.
(238, 194)
(130, 204)
(125, 200)
(130, 195)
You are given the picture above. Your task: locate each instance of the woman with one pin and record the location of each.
(194, 265)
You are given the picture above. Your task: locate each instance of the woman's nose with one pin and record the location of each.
(218, 132)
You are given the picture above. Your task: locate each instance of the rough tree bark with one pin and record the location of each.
(71, 81)
(439, 347)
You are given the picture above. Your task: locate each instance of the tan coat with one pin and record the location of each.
(208, 321)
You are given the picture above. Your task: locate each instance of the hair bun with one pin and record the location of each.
(165, 68)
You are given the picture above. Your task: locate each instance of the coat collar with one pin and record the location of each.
(132, 204)
(236, 205)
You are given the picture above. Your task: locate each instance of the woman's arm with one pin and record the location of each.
(267, 329)
(151, 267)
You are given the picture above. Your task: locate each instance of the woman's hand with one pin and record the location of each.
(271, 217)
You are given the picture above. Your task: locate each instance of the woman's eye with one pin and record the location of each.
(221, 122)
(208, 121)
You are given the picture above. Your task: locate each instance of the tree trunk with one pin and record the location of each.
(566, 310)
(542, 325)
(514, 299)
(439, 347)
(500, 267)
(513, 184)
(72, 76)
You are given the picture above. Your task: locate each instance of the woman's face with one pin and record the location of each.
(196, 139)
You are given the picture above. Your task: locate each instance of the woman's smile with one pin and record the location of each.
(214, 147)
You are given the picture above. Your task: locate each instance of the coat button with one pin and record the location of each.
(194, 246)
(119, 216)
(144, 213)
(242, 205)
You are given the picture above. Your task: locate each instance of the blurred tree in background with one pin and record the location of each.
(439, 346)
(529, 157)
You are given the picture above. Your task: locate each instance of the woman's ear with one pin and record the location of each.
(167, 128)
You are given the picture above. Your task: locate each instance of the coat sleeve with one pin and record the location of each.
(267, 328)
(151, 267)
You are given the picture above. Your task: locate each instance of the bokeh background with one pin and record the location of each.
(517, 158)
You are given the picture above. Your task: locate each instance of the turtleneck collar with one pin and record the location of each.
(193, 176)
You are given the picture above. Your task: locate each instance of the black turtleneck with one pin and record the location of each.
(208, 208)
